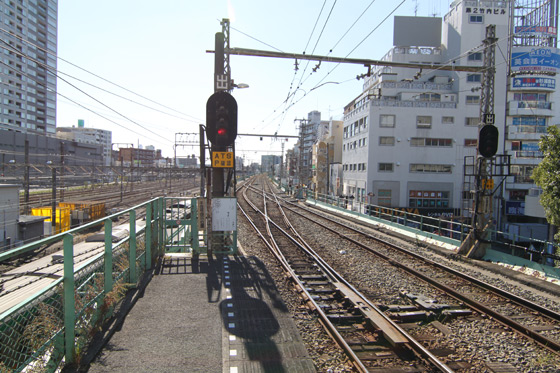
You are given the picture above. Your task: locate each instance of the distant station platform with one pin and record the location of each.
(224, 315)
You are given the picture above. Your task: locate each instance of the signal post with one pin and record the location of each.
(221, 131)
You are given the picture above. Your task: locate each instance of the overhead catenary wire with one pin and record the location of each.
(93, 74)
(315, 46)
(330, 51)
(83, 92)
(328, 73)
(446, 64)
(304, 51)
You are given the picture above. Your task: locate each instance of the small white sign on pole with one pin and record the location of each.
(224, 214)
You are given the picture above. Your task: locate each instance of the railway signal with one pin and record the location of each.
(488, 141)
(221, 119)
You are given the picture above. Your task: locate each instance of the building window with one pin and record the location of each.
(421, 141)
(430, 97)
(476, 19)
(386, 120)
(447, 120)
(475, 56)
(384, 197)
(428, 199)
(424, 121)
(471, 121)
(431, 168)
(385, 167)
(529, 96)
(472, 100)
(471, 142)
(387, 140)
(474, 78)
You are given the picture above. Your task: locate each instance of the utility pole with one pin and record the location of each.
(53, 202)
(282, 164)
(61, 171)
(122, 175)
(26, 177)
(132, 168)
(302, 124)
(328, 171)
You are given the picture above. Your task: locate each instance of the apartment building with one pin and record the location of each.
(28, 66)
(407, 134)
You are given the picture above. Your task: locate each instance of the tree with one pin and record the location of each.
(547, 176)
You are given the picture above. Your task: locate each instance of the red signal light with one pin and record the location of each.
(222, 131)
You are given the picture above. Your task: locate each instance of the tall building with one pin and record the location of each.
(269, 164)
(28, 67)
(532, 99)
(407, 134)
(310, 130)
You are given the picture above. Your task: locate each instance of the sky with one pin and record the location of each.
(139, 68)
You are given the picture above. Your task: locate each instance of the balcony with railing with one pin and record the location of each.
(525, 132)
(541, 108)
(527, 154)
(414, 104)
(420, 86)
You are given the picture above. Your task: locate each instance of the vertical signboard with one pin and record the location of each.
(224, 214)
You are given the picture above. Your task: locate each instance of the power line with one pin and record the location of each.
(350, 28)
(80, 90)
(296, 64)
(93, 74)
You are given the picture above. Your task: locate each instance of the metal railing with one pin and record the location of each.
(57, 322)
(449, 230)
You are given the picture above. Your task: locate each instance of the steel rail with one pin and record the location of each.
(417, 347)
(385, 324)
(517, 299)
(550, 344)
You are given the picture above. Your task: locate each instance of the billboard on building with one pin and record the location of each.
(535, 60)
(545, 31)
(417, 31)
(534, 82)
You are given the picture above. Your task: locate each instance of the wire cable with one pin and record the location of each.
(83, 92)
(91, 73)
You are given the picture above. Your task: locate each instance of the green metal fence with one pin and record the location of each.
(54, 325)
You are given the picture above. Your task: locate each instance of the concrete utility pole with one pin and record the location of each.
(26, 177)
(302, 124)
(53, 202)
(282, 164)
(61, 171)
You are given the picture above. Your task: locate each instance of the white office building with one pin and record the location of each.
(409, 134)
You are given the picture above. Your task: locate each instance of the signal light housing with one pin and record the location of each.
(488, 141)
(221, 119)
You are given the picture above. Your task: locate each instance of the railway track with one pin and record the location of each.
(369, 337)
(111, 194)
(465, 322)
